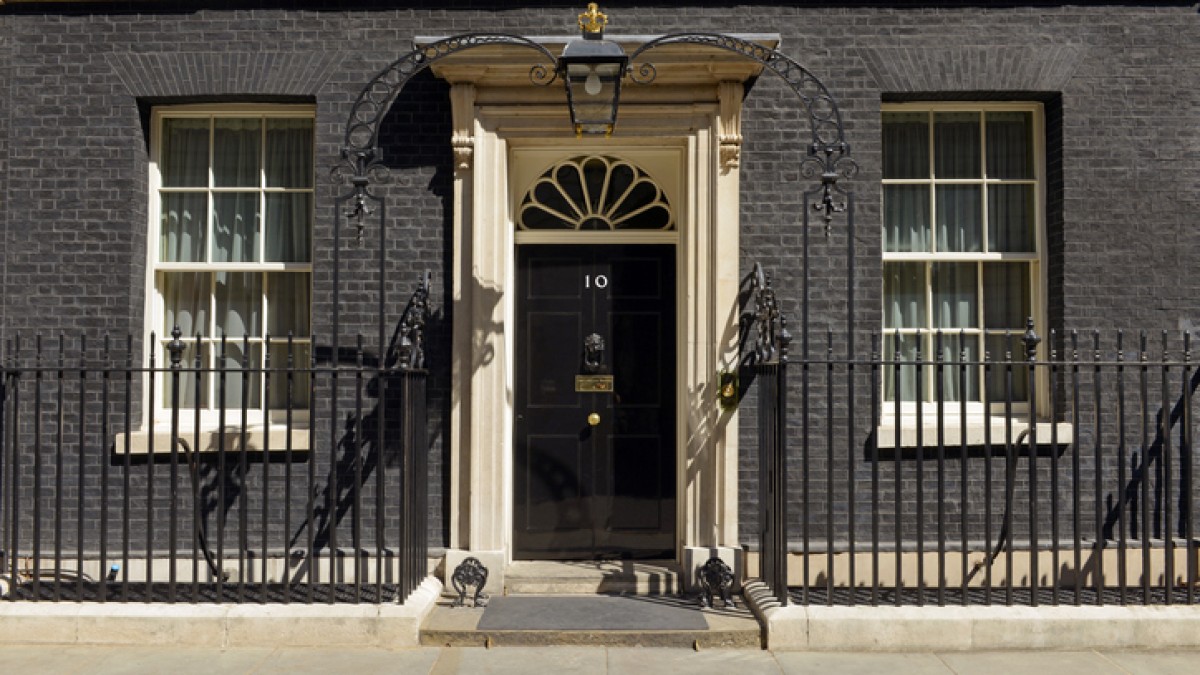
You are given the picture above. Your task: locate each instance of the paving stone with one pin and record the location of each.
(357, 661)
(861, 664)
(1154, 663)
(1006, 663)
(702, 662)
(176, 660)
(523, 660)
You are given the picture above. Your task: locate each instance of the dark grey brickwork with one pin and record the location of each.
(1121, 86)
(5, 106)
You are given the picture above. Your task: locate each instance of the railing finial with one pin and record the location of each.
(1031, 340)
(175, 347)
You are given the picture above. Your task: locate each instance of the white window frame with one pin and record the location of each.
(155, 313)
(951, 410)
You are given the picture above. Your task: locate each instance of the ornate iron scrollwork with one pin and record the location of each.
(411, 343)
(716, 578)
(361, 157)
(772, 339)
(470, 573)
(828, 152)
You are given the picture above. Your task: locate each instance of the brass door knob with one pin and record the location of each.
(594, 419)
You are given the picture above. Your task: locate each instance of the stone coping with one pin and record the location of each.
(979, 628)
(220, 626)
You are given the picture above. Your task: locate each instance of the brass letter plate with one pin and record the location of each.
(593, 383)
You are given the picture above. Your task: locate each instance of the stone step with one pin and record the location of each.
(599, 620)
(590, 578)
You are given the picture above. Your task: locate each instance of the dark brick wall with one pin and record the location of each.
(5, 106)
(1122, 86)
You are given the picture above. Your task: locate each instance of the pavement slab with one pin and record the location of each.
(1006, 663)
(174, 660)
(794, 663)
(522, 661)
(573, 660)
(1156, 663)
(702, 662)
(357, 661)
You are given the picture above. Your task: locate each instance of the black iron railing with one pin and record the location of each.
(1051, 473)
(111, 491)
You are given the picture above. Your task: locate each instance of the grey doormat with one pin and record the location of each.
(590, 613)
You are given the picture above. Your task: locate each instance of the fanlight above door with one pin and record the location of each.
(595, 192)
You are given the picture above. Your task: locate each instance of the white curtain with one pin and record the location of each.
(186, 296)
(1010, 145)
(184, 154)
(231, 151)
(1010, 218)
(906, 225)
(904, 287)
(911, 226)
(288, 164)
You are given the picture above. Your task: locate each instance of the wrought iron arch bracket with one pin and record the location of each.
(362, 127)
(361, 158)
(828, 152)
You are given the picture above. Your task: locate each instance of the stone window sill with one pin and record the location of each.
(258, 439)
(976, 432)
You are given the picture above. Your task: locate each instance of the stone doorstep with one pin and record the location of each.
(220, 626)
(589, 578)
(977, 628)
(448, 626)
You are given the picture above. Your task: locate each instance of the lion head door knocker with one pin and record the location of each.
(593, 354)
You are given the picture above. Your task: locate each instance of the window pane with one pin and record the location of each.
(955, 289)
(904, 295)
(907, 390)
(1010, 218)
(236, 145)
(183, 157)
(235, 227)
(187, 378)
(185, 298)
(960, 218)
(299, 376)
(906, 224)
(957, 372)
(1002, 380)
(1010, 144)
(288, 304)
(288, 218)
(956, 145)
(183, 228)
(595, 171)
(906, 145)
(1006, 295)
(239, 304)
(289, 160)
(237, 372)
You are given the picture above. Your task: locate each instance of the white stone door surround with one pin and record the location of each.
(685, 130)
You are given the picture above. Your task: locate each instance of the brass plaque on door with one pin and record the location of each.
(593, 383)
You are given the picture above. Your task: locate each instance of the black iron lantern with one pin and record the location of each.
(592, 69)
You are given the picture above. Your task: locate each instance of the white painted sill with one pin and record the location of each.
(976, 432)
(212, 440)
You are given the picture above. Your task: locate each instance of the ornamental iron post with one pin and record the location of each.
(770, 359)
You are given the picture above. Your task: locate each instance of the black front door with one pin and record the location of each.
(594, 470)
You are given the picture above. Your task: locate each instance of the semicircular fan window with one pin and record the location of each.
(595, 192)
